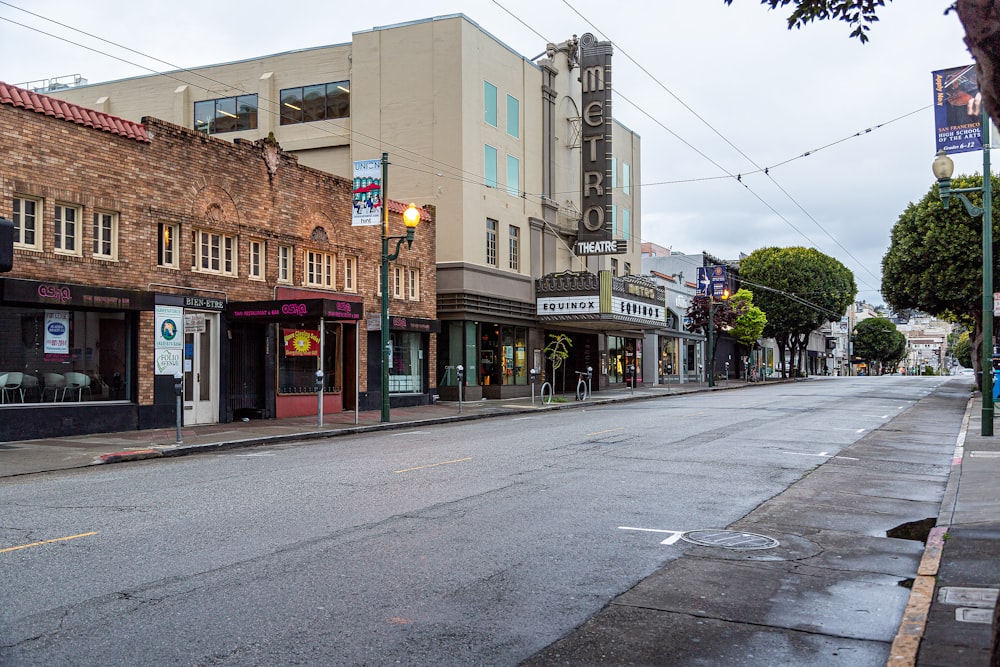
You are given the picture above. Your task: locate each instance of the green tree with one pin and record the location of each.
(799, 289)
(749, 325)
(962, 350)
(934, 261)
(879, 343)
(723, 318)
(980, 18)
(557, 352)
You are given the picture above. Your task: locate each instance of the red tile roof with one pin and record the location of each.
(399, 207)
(50, 106)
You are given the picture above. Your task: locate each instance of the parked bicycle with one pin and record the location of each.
(583, 384)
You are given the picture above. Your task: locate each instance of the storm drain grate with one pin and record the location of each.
(729, 539)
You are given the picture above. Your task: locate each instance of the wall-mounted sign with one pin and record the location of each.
(594, 229)
(168, 348)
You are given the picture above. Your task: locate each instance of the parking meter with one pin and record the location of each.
(533, 373)
(178, 392)
(461, 381)
(590, 374)
(319, 397)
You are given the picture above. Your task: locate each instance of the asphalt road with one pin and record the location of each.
(470, 543)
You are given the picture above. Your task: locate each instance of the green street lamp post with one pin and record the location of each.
(411, 217)
(943, 169)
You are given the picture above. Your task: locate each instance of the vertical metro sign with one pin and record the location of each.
(594, 230)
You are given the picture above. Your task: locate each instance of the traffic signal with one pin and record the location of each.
(6, 245)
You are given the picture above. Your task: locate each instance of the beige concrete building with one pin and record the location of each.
(510, 151)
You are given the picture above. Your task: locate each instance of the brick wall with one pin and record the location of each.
(197, 182)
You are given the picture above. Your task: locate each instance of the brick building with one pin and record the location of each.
(145, 250)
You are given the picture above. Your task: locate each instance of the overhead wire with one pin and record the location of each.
(764, 170)
(475, 178)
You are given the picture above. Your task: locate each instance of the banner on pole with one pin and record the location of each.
(958, 112)
(367, 194)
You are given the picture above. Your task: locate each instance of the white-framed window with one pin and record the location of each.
(166, 253)
(413, 284)
(106, 235)
(350, 274)
(491, 241)
(27, 222)
(212, 252)
(628, 269)
(320, 268)
(614, 266)
(397, 282)
(67, 229)
(285, 263)
(514, 240)
(255, 268)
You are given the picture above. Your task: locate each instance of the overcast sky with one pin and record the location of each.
(726, 91)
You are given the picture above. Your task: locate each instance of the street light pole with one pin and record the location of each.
(411, 216)
(943, 170)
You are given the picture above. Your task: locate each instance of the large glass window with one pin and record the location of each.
(321, 101)
(297, 370)
(226, 114)
(490, 103)
(406, 367)
(513, 117)
(623, 353)
(513, 176)
(55, 356)
(503, 355)
(626, 178)
(626, 224)
(490, 166)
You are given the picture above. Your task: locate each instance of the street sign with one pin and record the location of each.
(712, 281)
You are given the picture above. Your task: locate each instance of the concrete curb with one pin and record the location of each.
(132, 455)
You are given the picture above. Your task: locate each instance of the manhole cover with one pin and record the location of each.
(729, 539)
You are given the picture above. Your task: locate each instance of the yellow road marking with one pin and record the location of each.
(443, 463)
(57, 539)
(610, 430)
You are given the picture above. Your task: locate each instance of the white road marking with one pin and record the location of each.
(827, 454)
(674, 534)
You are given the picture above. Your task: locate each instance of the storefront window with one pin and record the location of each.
(406, 363)
(490, 362)
(514, 355)
(669, 358)
(49, 355)
(622, 353)
(298, 360)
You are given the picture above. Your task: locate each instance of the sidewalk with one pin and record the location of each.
(947, 619)
(956, 588)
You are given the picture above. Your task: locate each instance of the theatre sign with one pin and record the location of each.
(594, 234)
(583, 296)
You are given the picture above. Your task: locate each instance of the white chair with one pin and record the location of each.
(78, 382)
(12, 386)
(55, 383)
